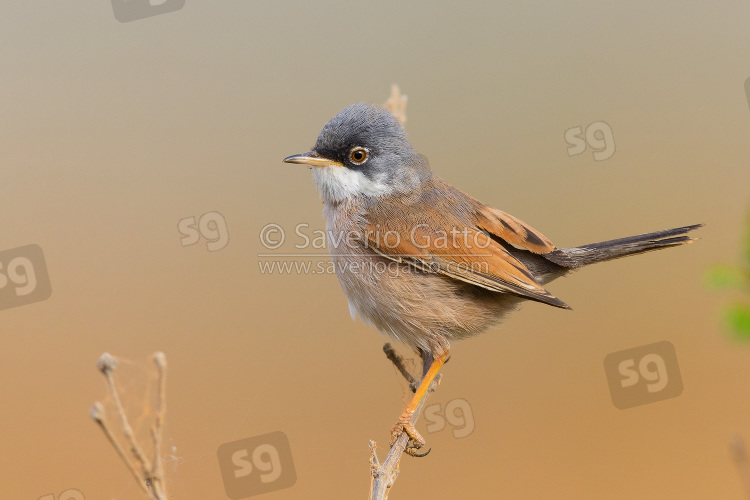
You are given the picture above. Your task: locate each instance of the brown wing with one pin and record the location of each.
(514, 231)
(447, 238)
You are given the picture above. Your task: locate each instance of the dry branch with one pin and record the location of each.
(740, 456)
(148, 473)
(396, 104)
(384, 474)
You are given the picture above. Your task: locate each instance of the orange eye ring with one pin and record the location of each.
(358, 155)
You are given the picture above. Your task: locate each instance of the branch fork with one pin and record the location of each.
(148, 472)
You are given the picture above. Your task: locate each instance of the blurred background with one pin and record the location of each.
(116, 137)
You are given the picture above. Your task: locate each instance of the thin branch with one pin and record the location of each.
(107, 365)
(739, 454)
(100, 417)
(157, 431)
(398, 362)
(385, 474)
(396, 104)
(149, 474)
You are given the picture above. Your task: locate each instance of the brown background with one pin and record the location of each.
(111, 133)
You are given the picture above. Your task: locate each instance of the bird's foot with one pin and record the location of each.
(416, 441)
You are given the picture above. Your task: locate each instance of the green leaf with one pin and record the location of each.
(724, 276)
(738, 319)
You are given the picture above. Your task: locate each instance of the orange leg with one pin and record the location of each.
(404, 422)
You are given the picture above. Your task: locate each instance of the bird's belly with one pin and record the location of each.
(420, 308)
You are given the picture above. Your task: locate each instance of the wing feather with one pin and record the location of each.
(438, 240)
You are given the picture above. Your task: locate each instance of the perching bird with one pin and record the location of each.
(422, 261)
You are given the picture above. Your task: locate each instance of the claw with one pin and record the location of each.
(416, 441)
(410, 450)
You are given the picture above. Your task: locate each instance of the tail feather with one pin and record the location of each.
(613, 249)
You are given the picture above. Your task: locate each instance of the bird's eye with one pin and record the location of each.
(359, 155)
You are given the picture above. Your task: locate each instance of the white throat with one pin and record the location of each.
(339, 183)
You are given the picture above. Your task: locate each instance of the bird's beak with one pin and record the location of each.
(312, 158)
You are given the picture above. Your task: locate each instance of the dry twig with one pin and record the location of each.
(384, 474)
(396, 104)
(148, 473)
(739, 454)
(398, 362)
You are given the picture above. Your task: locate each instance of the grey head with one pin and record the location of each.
(363, 152)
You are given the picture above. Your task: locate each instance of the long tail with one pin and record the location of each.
(613, 249)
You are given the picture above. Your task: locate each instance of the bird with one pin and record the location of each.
(420, 260)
